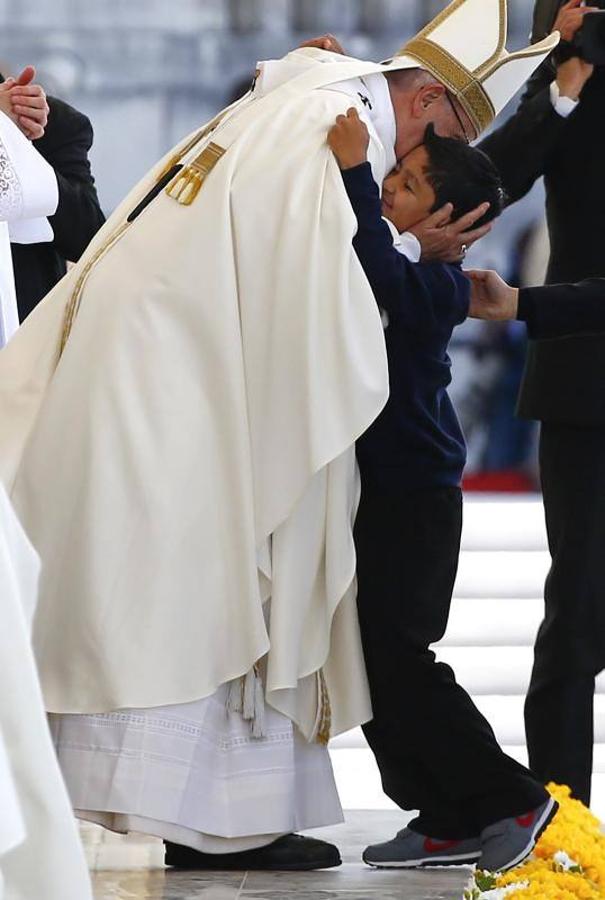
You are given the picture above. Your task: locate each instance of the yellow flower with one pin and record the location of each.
(575, 831)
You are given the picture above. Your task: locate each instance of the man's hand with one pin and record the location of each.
(325, 42)
(25, 103)
(572, 76)
(349, 140)
(492, 298)
(447, 241)
(570, 19)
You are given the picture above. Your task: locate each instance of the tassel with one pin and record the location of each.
(325, 711)
(247, 697)
(235, 701)
(186, 186)
(258, 723)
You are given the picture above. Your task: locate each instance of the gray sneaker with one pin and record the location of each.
(410, 850)
(506, 843)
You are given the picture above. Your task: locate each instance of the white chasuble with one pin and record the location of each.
(40, 851)
(28, 192)
(190, 456)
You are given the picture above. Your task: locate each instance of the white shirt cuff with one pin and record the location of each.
(564, 106)
(407, 243)
(410, 246)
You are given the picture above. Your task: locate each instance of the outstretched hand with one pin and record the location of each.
(491, 297)
(445, 241)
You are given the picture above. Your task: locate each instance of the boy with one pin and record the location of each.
(435, 751)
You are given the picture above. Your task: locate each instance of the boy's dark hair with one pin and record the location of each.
(462, 175)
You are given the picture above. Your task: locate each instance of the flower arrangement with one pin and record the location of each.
(568, 862)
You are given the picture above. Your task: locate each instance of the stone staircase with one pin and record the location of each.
(496, 612)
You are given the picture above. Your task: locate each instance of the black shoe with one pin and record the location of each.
(291, 853)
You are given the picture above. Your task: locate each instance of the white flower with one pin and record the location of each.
(566, 862)
(503, 892)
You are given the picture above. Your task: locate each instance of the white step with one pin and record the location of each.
(501, 524)
(494, 670)
(493, 621)
(505, 573)
(359, 784)
(505, 714)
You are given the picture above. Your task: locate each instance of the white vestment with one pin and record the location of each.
(40, 851)
(189, 465)
(28, 192)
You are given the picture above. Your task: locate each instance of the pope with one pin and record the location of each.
(178, 421)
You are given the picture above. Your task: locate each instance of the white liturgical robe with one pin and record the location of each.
(186, 470)
(40, 851)
(28, 193)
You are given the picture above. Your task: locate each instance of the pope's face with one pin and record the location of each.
(407, 195)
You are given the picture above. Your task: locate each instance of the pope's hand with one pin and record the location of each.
(491, 297)
(570, 18)
(349, 140)
(325, 42)
(447, 241)
(25, 103)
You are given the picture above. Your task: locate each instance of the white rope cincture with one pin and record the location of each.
(247, 697)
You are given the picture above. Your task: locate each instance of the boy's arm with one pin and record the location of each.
(405, 290)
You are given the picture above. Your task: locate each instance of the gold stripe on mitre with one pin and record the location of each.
(186, 185)
(456, 77)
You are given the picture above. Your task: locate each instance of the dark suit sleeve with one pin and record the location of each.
(65, 146)
(521, 146)
(563, 310)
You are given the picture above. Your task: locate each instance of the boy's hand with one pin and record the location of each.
(492, 298)
(349, 140)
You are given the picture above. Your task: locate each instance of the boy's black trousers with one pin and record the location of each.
(435, 751)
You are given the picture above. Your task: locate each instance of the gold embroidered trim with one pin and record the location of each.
(457, 78)
(187, 184)
(448, 12)
(74, 304)
(325, 713)
(197, 137)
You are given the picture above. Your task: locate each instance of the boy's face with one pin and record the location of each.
(407, 195)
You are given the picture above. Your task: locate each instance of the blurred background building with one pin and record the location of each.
(147, 72)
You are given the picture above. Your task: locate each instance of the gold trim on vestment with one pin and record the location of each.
(76, 297)
(187, 183)
(457, 78)
(74, 302)
(324, 728)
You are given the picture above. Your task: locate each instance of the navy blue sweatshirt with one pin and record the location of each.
(416, 442)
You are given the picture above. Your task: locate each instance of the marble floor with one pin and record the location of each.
(129, 869)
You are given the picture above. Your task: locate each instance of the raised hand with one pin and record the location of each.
(349, 139)
(570, 18)
(448, 241)
(491, 297)
(29, 106)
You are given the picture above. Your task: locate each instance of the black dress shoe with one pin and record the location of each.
(291, 853)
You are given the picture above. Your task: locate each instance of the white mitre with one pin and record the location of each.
(464, 47)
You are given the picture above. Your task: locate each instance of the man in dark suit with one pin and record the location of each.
(559, 132)
(65, 145)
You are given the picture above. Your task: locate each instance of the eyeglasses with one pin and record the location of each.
(467, 139)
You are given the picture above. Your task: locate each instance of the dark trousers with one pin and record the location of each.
(435, 751)
(570, 648)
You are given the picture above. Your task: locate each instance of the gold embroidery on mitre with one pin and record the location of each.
(468, 90)
(187, 184)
